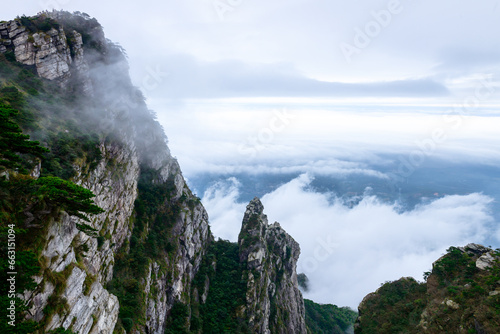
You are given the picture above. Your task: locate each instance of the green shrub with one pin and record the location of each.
(303, 281)
(10, 56)
(65, 148)
(178, 319)
(100, 241)
(127, 324)
(87, 283)
(328, 318)
(392, 308)
(227, 289)
(451, 264)
(35, 24)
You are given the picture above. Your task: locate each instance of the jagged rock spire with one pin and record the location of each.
(274, 302)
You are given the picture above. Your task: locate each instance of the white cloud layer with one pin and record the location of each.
(347, 252)
(331, 167)
(330, 138)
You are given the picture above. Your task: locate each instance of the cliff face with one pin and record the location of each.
(249, 286)
(93, 310)
(153, 236)
(131, 143)
(461, 295)
(274, 303)
(56, 53)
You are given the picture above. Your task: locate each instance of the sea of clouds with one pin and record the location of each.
(347, 252)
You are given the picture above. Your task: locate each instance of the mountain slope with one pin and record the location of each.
(85, 89)
(461, 295)
(148, 263)
(331, 319)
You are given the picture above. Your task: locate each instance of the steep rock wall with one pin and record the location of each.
(48, 51)
(274, 302)
(192, 231)
(78, 267)
(95, 310)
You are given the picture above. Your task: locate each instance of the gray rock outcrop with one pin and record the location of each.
(485, 261)
(48, 51)
(274, 302)
(95, 310)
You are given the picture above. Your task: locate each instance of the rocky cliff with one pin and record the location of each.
(460, 295)
(249, 286)
(131, 145)
(274, 303)
(55, 52)
(144, 263)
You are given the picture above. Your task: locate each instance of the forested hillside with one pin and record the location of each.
(461, 295)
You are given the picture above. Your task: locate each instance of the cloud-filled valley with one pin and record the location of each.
(347, 251)
(365, 189)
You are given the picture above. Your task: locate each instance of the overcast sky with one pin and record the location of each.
(322, 87)
(298, 47)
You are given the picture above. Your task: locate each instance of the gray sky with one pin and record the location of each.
(297, 47)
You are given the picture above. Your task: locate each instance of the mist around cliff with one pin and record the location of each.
(96, 97)
(366, 177)
(346, 251)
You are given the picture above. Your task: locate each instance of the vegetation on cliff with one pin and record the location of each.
(26, 205)
(328, 319)
(223, 310)
(461, 295)
(79, 131)
(155, 215)
(32, 196)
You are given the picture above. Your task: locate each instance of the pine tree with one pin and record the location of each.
(13, 142)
